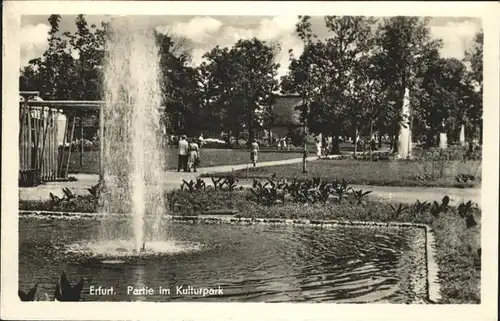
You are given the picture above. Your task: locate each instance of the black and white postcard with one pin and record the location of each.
(185, 160)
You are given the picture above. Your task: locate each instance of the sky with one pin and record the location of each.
(205, 32)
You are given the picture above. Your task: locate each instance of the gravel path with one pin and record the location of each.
(174, 179)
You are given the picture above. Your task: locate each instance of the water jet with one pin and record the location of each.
(132, 138)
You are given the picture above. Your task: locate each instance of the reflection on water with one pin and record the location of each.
(256, 263)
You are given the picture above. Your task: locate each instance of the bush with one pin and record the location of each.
(184, 202)
(78, 203)
(452, 153)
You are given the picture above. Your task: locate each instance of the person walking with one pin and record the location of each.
(318, 148)
(254, 153)
(283, 143)
(183, 154)
(201, 141)
(193, 155)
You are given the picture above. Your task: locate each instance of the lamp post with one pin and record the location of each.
(304, 135)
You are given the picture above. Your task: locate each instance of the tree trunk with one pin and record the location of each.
(355, 140)
(335, 144)
(250, 127)
(481, 134)
(304, 151)
(371, 138)
(81, 142)
(236, 138)
(395, 139)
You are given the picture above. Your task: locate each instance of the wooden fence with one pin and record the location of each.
(42, 155)
(38, 143)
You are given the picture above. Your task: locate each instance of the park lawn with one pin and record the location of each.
(209, 157)
(381, 173)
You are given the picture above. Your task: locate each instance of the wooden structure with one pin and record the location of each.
(41, 158)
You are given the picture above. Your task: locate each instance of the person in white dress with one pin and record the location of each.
(201, 140)
(318, 148)
(254, 152)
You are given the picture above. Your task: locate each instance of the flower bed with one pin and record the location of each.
(425, 173)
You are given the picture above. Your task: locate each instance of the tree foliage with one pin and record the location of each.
(326, 73)
(179, 85)
(354, 79)
(72, 69)
(238, 85)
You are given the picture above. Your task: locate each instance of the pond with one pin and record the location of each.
(258, 263)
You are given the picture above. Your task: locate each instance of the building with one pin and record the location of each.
(285, 116)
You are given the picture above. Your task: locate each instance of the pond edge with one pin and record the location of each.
(433, 285)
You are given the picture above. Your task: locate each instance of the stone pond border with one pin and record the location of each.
(433, 285)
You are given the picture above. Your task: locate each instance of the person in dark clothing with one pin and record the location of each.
(183, 154)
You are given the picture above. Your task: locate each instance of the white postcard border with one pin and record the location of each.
(12, 308)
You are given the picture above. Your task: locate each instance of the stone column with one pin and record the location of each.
(462, 135)
(404, 140)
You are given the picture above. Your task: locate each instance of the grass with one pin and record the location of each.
(458, 247)
(209, 157)
(382, 173)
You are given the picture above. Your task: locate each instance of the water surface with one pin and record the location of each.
(250, 263)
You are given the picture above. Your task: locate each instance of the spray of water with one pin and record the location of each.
(133, 138)
(404, 148)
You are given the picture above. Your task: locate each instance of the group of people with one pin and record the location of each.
(284, 143)
(189, 154)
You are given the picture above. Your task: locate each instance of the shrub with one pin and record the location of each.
(452, 153)
(184, 202)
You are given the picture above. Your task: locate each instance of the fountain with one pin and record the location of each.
(404, 150)
(133, 154)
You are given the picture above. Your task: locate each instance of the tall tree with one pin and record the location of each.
(403, 43)
(239, 83)
(445, 97)
(220, 107)
(71, 67)
(87, 44)
(179, 86)
(333, 64)
(474, 56)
